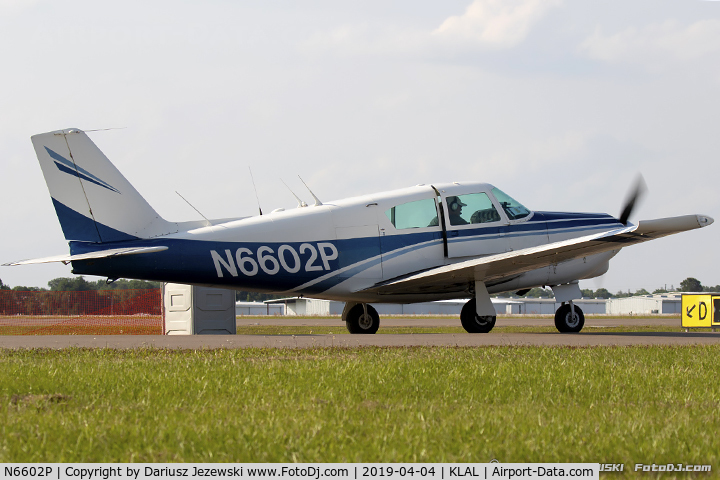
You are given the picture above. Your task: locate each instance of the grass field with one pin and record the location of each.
(516, 404)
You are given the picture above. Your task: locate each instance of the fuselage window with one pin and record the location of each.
(418, 214)
(472, 208)
(514, 209)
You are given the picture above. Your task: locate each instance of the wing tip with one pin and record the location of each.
(705, 220)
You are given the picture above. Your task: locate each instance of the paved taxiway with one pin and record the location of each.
(583, 339)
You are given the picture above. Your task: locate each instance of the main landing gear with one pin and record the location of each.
(361, 318)
(569, 318)
(474, 323)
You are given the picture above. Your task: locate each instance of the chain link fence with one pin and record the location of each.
(93, 312)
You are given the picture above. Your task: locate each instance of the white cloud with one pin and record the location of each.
(655, 46)
(495, 23)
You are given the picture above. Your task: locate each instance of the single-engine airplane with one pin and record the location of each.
(422, 243)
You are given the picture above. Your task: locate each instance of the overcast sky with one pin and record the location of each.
(558, 103)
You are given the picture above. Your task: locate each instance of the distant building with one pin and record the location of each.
(503, 306)
(545, 306)
(258, 308)
(667, 303)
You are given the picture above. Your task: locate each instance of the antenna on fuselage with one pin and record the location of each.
(206, 219)
(317, 200)
(255, 188)
(301, 203)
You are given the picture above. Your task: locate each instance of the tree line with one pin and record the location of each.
(76, 284)
(79, 284)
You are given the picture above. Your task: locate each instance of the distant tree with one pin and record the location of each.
(587, 293)
(125, 284)
(77, 284)
(715, 289)
(659, 291)
(621, 294)
(602, 293)
(28, 289)
(3, 286)
(80, 284)
(642, 291)
(538, 292)
(691, 284)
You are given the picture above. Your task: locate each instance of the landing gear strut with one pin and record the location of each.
(361, 318)
(474, 323)
(569, 318)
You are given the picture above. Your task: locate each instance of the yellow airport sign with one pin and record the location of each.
(700, 310)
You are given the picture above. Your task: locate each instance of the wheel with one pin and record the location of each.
(472, 322)
(358, 322)
(565, 322)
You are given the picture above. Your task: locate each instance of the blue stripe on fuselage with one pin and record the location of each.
(542, 223)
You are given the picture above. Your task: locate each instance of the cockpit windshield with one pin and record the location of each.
(514, 209)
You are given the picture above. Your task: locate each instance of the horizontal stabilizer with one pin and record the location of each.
(115, 252)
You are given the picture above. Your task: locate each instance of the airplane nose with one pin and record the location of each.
(704, 220)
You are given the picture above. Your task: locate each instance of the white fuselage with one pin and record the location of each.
(338, 249)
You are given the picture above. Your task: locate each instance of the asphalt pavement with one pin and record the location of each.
(586, 338)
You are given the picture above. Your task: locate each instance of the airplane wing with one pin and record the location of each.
(88, 256)
(509, 264)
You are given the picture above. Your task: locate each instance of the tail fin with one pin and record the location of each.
(93, 201)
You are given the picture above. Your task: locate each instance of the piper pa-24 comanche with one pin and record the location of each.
(427, 242)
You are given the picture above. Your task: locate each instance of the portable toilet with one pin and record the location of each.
(194, 310)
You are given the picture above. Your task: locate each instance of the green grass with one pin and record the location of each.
(516, 404)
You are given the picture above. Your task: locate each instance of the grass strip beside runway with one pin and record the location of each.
(515, 404)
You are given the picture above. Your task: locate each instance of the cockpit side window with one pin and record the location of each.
(471, 208)
(514, 209)
(417, 214)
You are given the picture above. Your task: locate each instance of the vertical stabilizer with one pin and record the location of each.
(93, 201)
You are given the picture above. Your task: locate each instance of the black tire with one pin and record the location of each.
(357, 322)
(472, 322)
(563, 321)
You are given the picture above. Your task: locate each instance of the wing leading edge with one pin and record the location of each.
(495, 267)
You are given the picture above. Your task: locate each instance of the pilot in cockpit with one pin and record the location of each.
(455, 208)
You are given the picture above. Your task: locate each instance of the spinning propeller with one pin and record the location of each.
(635, 194)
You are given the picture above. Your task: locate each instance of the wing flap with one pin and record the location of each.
(509, 264)
(89, 256)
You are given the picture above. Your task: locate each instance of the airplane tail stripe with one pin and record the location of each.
(77, 226)
(64, 165)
